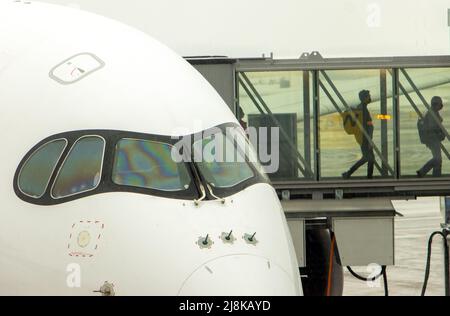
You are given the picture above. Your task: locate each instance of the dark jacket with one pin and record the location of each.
(367, 123)
(434, 131)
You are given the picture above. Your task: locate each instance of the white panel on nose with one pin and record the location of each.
(241, 275)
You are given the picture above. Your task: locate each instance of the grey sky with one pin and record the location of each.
(249, 28)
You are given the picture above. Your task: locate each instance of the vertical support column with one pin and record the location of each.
(306, 118)
(316, 116)
(396, 111)
(384, 123)
(446, 263)
(236, 89)
(448, 21)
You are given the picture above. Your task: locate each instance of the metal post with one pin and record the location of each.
(445, 232)
(384, 125)
(236, 91)
(306, 118)
(396, 110)
(316, 116)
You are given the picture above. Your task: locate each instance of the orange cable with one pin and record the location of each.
(330, 269)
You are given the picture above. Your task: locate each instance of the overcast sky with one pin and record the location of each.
(249, 28)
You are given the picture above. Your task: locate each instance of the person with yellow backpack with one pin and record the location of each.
(365, 141)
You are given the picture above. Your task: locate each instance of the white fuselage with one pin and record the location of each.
(143, 244)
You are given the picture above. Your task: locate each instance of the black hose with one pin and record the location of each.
(386, 288)
(382, 273)
(361, 278)
(427, 266)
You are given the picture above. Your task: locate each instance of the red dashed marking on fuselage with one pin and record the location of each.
(80, 254)
(73, 233)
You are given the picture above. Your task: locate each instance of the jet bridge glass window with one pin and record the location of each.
(148, 164)
(354, 128)
(81, 171)
(417, 89)
(221, 159)
(277, 107)
(36, 172)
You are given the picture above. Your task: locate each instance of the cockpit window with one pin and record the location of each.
(223, 162)
(148, 164)
(36, 172)
(76, 164)
(82, 168)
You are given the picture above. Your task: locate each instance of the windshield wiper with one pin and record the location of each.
(199, 183)
(202, 189)
(213, 195)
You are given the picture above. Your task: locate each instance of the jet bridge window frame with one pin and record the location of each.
(403, 75)
(106, 184)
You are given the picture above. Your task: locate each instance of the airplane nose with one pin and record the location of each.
(239, 275)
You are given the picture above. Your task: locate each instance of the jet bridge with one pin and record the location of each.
(308, 99)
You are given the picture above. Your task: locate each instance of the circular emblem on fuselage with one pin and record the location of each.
(84, 238)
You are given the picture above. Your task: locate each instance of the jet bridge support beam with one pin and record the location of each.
(306, 118)
(384, 126)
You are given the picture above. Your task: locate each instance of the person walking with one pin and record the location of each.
(432, 138)
(366, 144)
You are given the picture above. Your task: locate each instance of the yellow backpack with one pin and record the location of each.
(350, 126)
